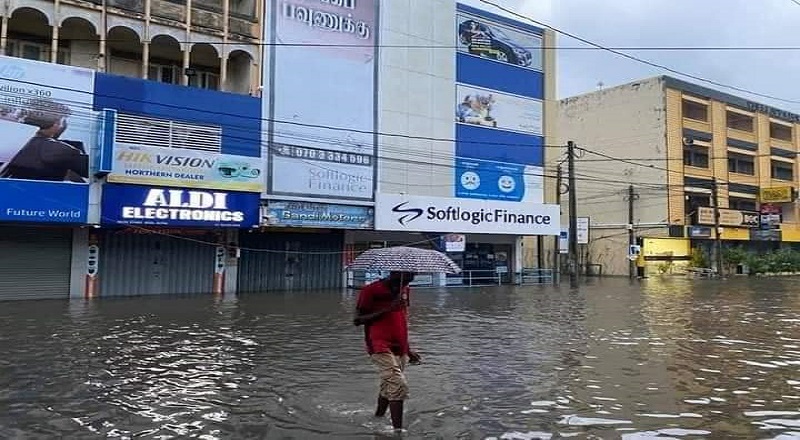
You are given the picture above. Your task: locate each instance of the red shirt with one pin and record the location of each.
(388, 333)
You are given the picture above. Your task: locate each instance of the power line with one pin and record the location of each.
(638, 59)
(719, 48)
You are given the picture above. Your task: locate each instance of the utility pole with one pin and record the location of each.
(632, 196)
(557, 252)
(573, 216)
(717, 234)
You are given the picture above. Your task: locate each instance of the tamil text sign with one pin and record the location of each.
(782, 194)
(728, 217)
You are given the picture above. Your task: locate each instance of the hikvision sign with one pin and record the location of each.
(396, 212)
(141, 205)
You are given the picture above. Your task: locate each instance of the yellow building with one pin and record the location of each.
(213, 44)
(684, 146)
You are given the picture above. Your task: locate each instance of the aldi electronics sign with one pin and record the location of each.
(127, 205)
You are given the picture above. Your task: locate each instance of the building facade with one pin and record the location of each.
(435, 106)
(211, 44)
(377, 123)
(689, 152)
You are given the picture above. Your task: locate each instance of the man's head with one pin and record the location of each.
(48, 115)
(401, 278)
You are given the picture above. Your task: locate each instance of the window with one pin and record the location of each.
(163, 73)
(741, 164)
(780, 131)
(205, 80)
(695, 110)
(156, 132)
(245, 8)
(742, 204)
(695, 156)
(782, 170)
(35, 51)
(738, 121)
(694, 201)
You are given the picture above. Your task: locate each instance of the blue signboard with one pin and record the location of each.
(318, 215)
(28, 201)
(159, 206)
(498, 108)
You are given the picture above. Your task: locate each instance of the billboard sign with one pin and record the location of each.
(321, 139)
(398, 212)
(147, 165)
(497, 40)
(316, 215)
(48, 131)
(498, 109)
(127, 205)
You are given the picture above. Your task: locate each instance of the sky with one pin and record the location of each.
(674, 23)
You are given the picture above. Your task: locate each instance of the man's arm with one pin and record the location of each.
(365, 308)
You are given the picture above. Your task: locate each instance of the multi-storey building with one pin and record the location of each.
(435, 137)
(212, 44)
(689, 152)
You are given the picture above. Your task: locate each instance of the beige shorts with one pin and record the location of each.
(393, 381)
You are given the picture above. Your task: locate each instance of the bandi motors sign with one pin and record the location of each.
(155, 206)
(728, 217)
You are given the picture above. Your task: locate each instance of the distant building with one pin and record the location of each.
(690, 140)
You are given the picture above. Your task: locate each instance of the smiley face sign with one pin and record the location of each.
(470, 180)
(506, 184)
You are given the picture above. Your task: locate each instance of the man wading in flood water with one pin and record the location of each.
(382, 308)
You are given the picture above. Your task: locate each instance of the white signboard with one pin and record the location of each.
(397, 212)
(159, 166)
(322, 133)
(583, 230)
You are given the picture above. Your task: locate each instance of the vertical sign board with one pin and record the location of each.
(322, 105)
(583, 230)
(498, 108)
(48, 131)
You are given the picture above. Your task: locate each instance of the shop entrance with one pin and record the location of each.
(482, 264)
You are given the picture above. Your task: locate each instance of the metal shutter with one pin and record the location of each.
(153, 264)
(35, 263)
(318, 263)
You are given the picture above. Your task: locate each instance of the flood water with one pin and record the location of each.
(657, 359)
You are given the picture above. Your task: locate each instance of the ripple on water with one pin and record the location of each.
(611, 359)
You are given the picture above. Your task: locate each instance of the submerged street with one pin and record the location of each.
(615, 359)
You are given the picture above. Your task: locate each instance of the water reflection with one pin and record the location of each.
(662, 359)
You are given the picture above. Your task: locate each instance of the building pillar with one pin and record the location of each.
(4, 35)
(84, 272)
(187, 46)
(54, 44)
(102, 62)
(145, 59)
(223, 66)
(223, 71)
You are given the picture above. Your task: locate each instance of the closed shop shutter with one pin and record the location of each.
(35, 263)
(155, 264)
(290, 261)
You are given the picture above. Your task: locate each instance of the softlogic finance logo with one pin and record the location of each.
(410, 214)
